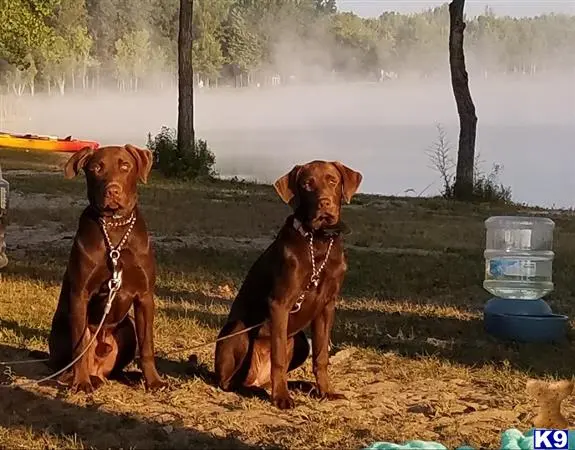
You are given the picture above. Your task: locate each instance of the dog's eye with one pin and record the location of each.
(308, 184)
(124, 167)
(96, 168)
(332, 181)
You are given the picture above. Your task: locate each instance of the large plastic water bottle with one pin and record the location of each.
(519, 257)
(4, 190)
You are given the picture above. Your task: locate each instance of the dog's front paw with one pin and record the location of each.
(83, 386)
(96, 381)
(155, 384)
(327, 395)
(333, 396)
(283, 401)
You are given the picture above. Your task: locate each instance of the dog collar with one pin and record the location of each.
(119, 221)
(298, 226)
(340, 228)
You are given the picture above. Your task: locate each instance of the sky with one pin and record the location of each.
(518, 8)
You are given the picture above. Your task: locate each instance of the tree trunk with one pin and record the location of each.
(62, 84)
(465, 108)
(186, 134)
(84, 76)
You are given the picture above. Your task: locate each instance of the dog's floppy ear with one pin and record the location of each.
(144, 160)
(286, 186)
(350, 180)
(77, 162)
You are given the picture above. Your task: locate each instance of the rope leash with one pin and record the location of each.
(116, 281)
(114, 285)
(113, 290)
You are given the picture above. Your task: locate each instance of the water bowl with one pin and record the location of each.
(530, 321)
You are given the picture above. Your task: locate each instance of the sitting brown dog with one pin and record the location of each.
(111, 231)
(295, 282)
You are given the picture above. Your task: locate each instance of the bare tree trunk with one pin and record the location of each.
(62, 84)
(186, 134)
(465, 107)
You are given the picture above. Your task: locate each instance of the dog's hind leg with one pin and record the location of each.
(232, 356)
(127, 341)
(301, 350)
(259, 374)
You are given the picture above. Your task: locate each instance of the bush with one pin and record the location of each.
(172, 163)
(486, 187)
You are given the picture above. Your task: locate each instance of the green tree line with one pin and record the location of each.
(62, 45)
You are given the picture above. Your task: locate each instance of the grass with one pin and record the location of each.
(410, 352)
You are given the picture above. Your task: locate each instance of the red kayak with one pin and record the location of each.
(44, 143)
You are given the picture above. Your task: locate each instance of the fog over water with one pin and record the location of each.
(382, 129)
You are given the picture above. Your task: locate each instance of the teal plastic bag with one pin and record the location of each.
(511, 439)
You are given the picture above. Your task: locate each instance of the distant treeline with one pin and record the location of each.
(59, 45)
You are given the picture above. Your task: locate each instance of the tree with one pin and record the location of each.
(262, 38)
(132, 57)
(60, 62)
(240, 46)
(69, 22)
(186, 135)
(465, 107)
(30, 72)
(23, 28)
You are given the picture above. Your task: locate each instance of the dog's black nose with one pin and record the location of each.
(113, 189)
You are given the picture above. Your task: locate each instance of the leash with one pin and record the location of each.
(116, 281)
(114, 285)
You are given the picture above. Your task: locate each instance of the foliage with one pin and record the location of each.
(24, 28)
(188, 165)
(130, 43)
(486, 186)
(132, 56)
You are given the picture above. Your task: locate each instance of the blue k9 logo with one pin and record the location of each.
(544, 439)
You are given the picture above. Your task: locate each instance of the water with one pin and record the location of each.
(4, 190)
(380, 129)
(519, 257)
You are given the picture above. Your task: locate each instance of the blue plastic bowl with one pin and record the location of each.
(517, 307)
(524, 321)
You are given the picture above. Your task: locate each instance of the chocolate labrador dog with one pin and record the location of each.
(293, 284)
(111, 233)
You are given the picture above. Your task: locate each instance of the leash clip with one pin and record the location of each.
(116, 280)
(296, 307)
(114, 256)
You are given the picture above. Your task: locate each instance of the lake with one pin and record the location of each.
(381, 129)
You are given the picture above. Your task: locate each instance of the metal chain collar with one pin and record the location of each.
(315, 272)
(116, 281)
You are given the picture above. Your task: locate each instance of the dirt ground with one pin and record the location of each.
(409, 350)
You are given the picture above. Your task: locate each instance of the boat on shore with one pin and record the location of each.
(44, 143)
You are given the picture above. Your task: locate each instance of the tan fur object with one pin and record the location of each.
(549, 396)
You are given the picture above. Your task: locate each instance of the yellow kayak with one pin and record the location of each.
(44, 143)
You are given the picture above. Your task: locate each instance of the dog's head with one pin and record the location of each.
(316, 190)
(112, 174)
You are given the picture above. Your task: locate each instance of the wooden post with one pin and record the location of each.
(186, 134)
(465, 107)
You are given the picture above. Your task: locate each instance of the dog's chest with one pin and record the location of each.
(135, 280)
(312, 302)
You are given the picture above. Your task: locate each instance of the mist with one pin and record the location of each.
(382, 129)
